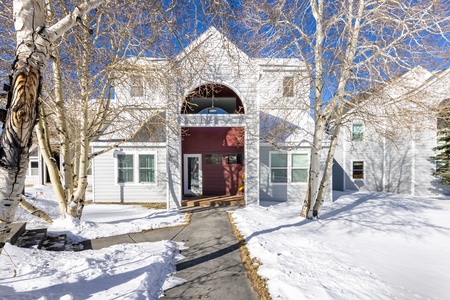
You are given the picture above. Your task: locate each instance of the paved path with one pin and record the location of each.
(212, 266)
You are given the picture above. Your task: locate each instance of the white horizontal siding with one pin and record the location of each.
(268, 191)
(105, 188)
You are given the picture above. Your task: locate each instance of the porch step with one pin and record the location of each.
(31, 238)
(203, 201)
(16, 230)
(60, 243)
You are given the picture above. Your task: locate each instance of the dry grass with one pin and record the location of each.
(251, 264)
(143, 204)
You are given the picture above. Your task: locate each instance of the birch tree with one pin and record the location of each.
(34, 38)
(115, 53)
(346, 47)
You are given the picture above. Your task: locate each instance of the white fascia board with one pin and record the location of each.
(129, 144)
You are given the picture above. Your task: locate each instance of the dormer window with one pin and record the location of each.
(288, 87)
(136, 86)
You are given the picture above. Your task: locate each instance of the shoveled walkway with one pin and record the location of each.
(212, 266)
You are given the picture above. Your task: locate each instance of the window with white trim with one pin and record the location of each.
(358, 170)
(136, 168)
(289, 168)
(34, 168)
(299, 167)
(146, 168)
(125, 168)
(136, 86)
(288, 86)
(278, 167)
(358, 132)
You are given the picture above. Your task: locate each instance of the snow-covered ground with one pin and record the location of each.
(127, 271)
(365, 246)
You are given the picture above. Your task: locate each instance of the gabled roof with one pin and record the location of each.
(152, 131)
(213, 36)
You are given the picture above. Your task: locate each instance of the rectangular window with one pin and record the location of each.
(146, 168)
(288, 87)
(357, 132)
(289, 167)
(234, 159)
(136, 86)
(300, 165)
(213, 159)
(125, 168)
(358, 170)
(34, 168)
(278, 167)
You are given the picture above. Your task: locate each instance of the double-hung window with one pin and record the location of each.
(279, 167)
(299, 167)
(125, 168)
(289, 168)
(146, 168)
(357, 132)
(34, 168)
(358, 170)
(136, 168)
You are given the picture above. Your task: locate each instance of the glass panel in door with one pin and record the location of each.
(193, 174)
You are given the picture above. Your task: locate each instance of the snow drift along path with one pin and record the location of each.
(365, 246)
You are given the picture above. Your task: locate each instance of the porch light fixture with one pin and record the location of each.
(212, 109)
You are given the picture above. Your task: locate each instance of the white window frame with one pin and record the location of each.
(363, 169)
(288, 86)
(117, 168)
(136, 86)
(155, 168)
(299, 168)
(360, 135)
(289, 167)
(135, 181)
(30, 168)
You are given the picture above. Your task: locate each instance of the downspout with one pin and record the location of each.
(344, 162)
(413, 167)
(383, 178)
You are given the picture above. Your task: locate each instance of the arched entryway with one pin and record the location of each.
(212, 99)
(213, 157)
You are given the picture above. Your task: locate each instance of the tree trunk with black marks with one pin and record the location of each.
(34, 40)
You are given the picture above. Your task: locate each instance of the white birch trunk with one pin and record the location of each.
(319, 121)
(76, 203)
(34, 41)
(328, 169)
(34, 210)
(53, 172)
(63, 134)
(335, 107)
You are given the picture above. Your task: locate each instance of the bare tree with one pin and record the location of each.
(119, 51)
(346, 47)
(34, 41)
(94, 61)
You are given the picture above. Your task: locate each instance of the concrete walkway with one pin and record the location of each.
(212, 266)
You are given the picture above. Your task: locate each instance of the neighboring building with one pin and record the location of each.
(222, 114)
(398, 160)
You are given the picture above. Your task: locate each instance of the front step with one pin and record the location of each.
(31, 238)
(17, 229)
(38, 238)
(214, 201)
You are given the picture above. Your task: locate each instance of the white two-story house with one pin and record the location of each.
(222, 123)
(388, 145)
